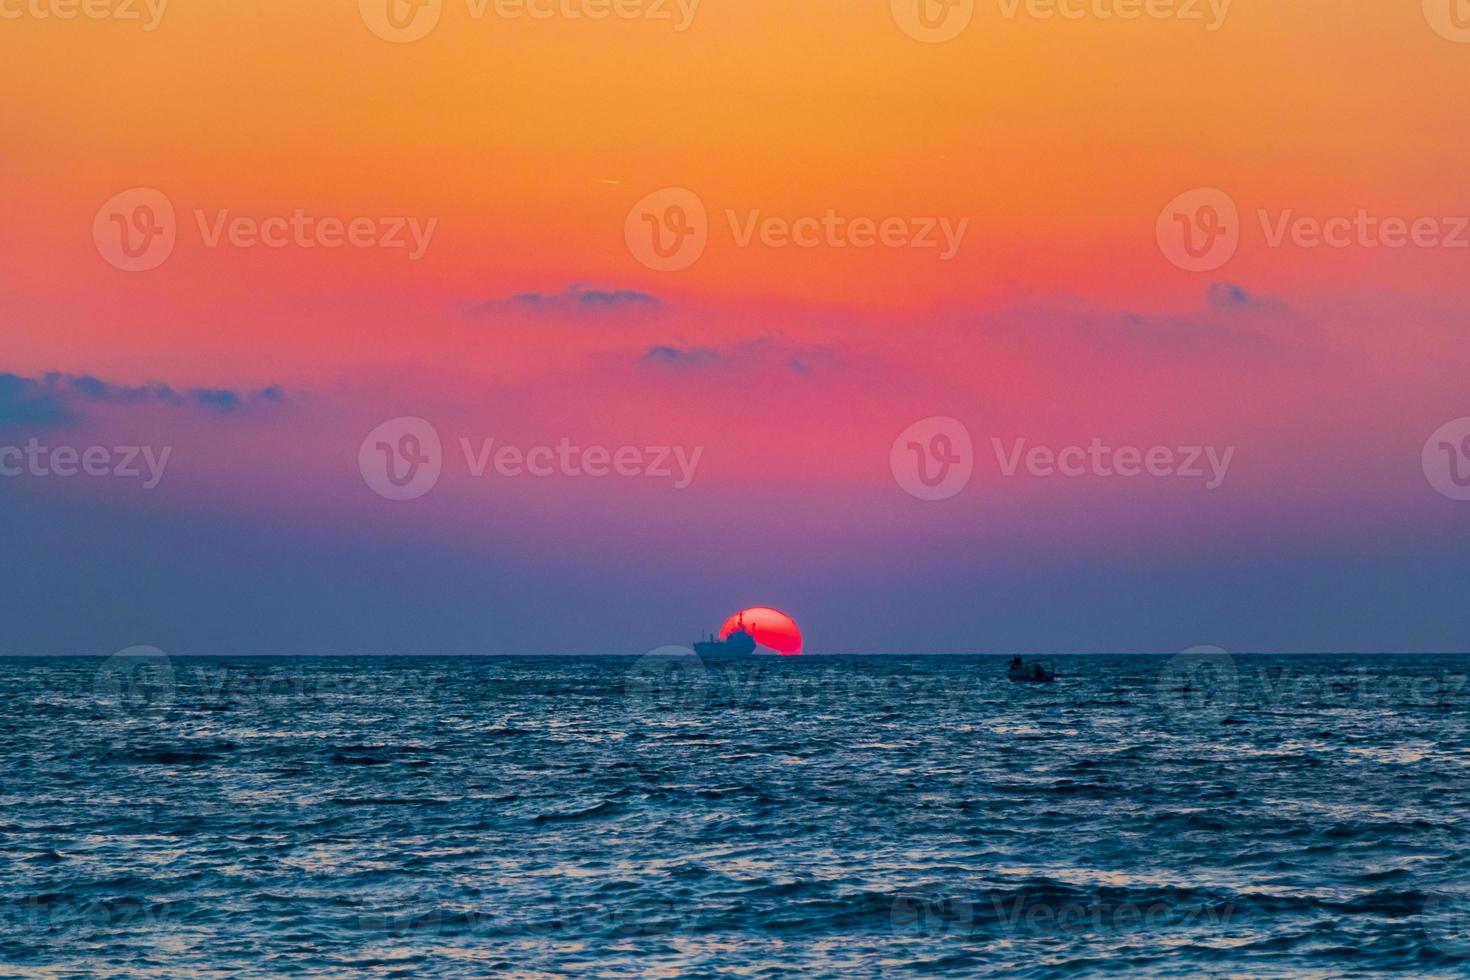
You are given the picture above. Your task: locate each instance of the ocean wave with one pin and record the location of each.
(528, 817)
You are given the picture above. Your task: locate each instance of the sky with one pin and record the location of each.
(573, 326)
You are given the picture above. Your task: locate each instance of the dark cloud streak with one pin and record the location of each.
(54, 398)
(574, 298)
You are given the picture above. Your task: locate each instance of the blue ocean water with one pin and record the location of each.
(1205, 815)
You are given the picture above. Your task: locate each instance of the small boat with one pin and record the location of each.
(1033, 673)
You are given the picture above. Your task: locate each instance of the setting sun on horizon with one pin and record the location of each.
(771, 628)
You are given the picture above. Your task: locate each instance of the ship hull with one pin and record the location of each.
(722, 650)
(739, 643)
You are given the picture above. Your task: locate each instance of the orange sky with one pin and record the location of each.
(526, 142)
(1058, 140)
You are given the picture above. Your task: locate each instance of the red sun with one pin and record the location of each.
(771, 628)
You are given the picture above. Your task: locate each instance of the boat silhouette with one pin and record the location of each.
(740, 643)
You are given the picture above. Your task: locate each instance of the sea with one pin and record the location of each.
(1201, 815)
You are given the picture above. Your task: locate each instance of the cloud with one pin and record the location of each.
(25, 402)
(614, 297)
(1065, 325)
(1230, 297)
(798, 365)
(680, 356)
(573, 299)
(762, 351)
(55, 397)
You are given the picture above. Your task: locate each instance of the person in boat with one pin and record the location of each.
(1016, 663)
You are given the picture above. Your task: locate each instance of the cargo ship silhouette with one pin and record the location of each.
(740, 643)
